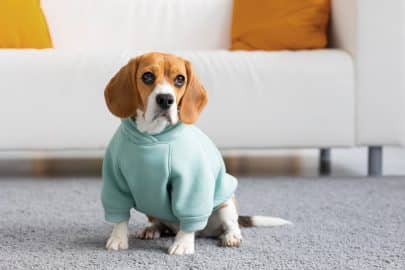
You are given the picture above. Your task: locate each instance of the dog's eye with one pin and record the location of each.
(179, 80)
(148, 77)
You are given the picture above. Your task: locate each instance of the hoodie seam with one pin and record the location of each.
(191, 219)
(169, 161)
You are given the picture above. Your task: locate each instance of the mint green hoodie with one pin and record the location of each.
(177, 176)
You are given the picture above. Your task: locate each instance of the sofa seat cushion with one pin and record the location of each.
(53, 99)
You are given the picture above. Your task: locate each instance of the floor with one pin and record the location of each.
(339, 223)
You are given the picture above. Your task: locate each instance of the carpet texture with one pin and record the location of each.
(356, 223)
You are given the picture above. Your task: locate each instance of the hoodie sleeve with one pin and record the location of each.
(115, 196)
(193, 185)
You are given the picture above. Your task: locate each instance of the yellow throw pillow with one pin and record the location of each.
(280, 24)
(23, 25)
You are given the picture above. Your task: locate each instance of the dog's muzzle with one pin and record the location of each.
(164, 101)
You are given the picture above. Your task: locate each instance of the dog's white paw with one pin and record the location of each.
(183, 244)
(117, 243)
(231, 239)
(119, 237)
(148, 233)
(181, 248)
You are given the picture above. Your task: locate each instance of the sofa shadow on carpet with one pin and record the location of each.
(239, 166)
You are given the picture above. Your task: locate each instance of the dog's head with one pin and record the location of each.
(158, 89)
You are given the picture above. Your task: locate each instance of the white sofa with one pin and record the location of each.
(351, 94)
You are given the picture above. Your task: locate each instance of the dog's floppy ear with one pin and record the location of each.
(195, 98)
(121, 94)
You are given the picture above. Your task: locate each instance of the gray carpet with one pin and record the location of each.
(354, 223)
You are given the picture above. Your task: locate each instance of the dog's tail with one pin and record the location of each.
(261, 221)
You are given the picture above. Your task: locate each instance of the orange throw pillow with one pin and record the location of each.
(280, 24)
(23, 25)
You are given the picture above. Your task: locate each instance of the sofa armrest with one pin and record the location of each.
(380, 67)
(373, 31)
(343, 25)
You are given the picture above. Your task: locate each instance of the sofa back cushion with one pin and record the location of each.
(141, 24)
(280, 24)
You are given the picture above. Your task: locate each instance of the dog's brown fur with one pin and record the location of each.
(125, 93)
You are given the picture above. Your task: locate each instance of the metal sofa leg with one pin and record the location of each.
(375, 160)
(324, 161)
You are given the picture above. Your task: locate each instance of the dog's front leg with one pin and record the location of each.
(183, 244)
(119, 237)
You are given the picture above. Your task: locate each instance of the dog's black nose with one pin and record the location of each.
(164, 101)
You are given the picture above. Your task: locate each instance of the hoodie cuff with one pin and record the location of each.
(193, 224)
(116, 217)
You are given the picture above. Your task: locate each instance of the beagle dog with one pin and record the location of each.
(156, 91)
